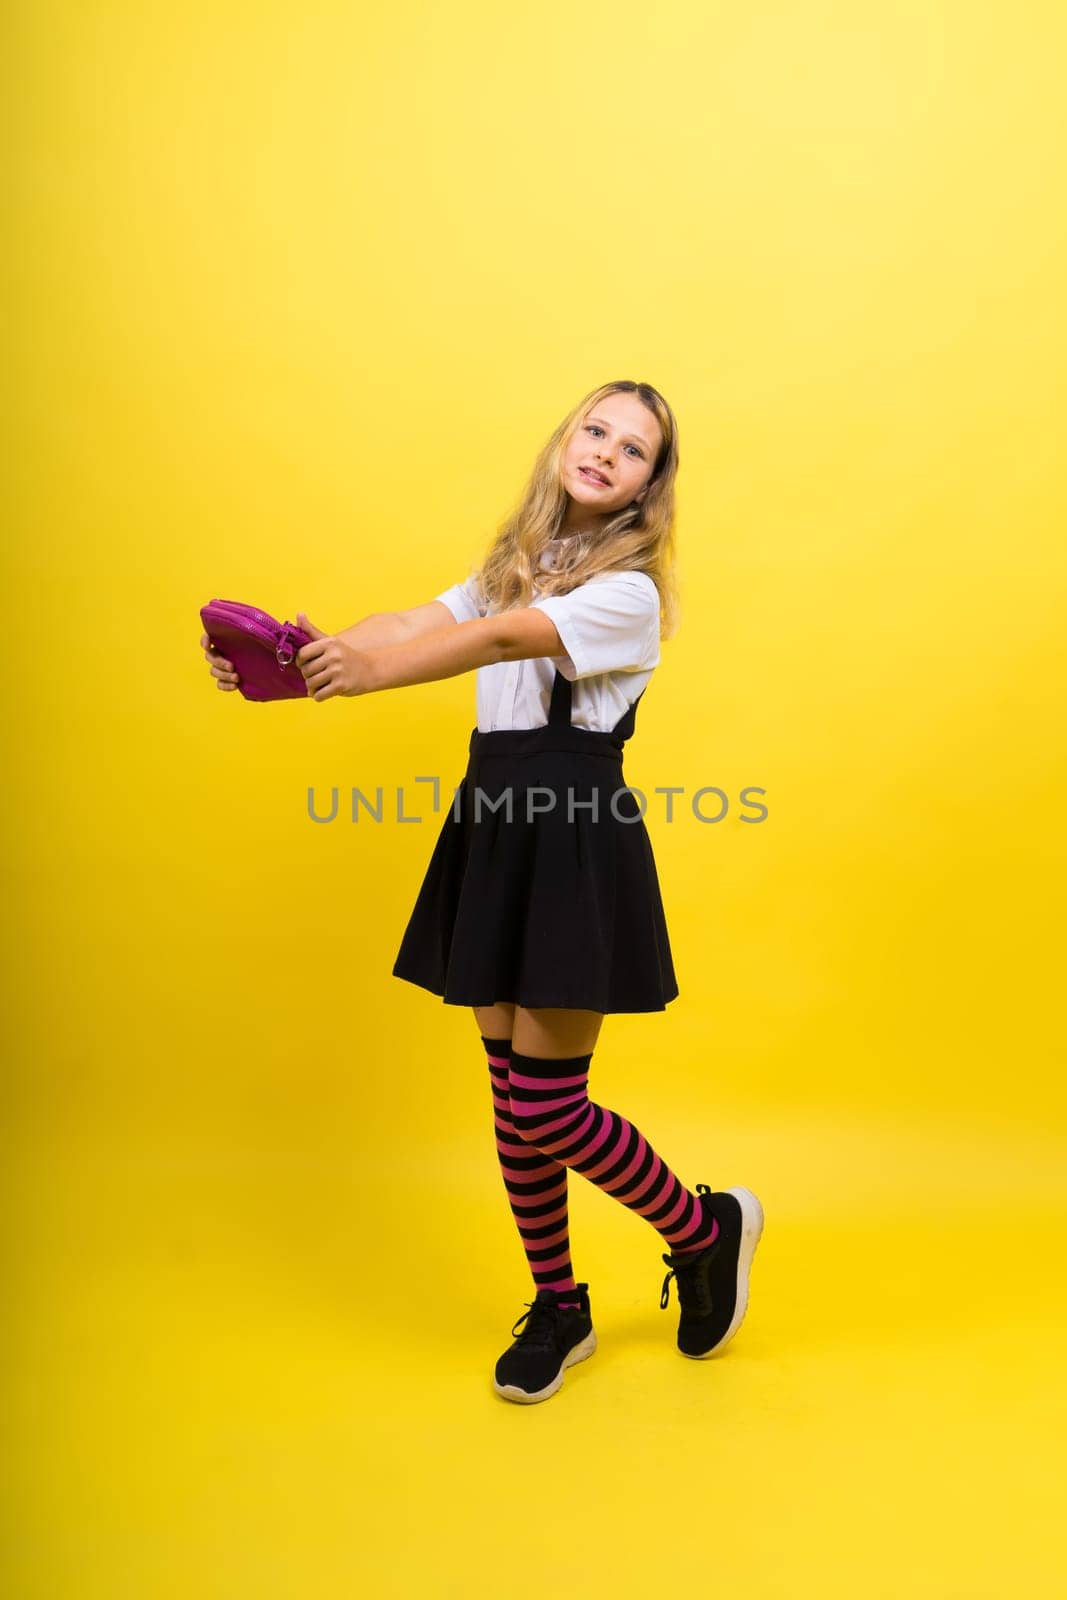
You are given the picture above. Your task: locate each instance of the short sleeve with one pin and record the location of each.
(465, 600)
(610, 624)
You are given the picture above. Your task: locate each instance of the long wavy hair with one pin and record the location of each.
(637, 538)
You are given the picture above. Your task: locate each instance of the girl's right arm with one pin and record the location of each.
(380, 628)
(397, 627)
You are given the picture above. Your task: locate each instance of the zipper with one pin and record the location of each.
(286, 643)
(258, 623)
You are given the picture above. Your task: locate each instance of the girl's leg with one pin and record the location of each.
(551, 1110)
(536, 1185)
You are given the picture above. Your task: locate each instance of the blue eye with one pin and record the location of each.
(591, 427)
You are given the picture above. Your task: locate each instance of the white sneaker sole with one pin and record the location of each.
(751, 1228)
(571, 1359)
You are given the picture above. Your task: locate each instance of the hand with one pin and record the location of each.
(221, 669)
(329, 665)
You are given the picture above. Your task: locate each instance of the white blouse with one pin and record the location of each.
(610, 632)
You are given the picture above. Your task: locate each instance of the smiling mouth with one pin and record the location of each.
(591, 477)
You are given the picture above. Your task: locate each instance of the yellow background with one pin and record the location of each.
(297, 292)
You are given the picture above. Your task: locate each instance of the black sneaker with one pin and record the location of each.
(554, 1337)
(712, 1284)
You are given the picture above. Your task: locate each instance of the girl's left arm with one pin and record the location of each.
(331, 667)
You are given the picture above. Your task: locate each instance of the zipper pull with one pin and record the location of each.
(285, 651)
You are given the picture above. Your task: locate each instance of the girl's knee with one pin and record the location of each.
(542, 1109)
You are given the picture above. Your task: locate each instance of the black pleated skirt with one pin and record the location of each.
(542, 887)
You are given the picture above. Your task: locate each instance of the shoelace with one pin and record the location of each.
(542, 1323)
(693, 1291)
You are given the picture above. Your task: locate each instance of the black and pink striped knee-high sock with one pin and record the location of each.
(536, 1185)
(551, 1109)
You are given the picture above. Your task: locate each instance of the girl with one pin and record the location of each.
(540, 908)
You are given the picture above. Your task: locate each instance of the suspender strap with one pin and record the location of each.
(559, 711)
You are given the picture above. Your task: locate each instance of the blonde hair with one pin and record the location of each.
(637, 538)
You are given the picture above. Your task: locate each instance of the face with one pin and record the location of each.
(616, 440)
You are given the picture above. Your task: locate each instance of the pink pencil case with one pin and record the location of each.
(262, 649)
